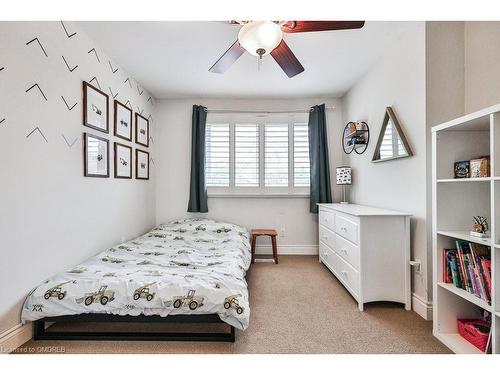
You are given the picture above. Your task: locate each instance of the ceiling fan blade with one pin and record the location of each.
(306, 26)
(287, 60)
(228, 58)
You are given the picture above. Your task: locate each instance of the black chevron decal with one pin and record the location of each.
(70, 145)
(149, 100)
(128, 80)
(39, 131)
(151, 139)
(65, 102)
(139, 90)
(128, 104)
(97, 81)
(140, 110)
(40, 44)
(95, 52)
(150, 117)
(1, 121)
(70, 69)
(113, 95)
(111, 67)
(39, 89)
(2, 68)
(66, 31)
(152, 161)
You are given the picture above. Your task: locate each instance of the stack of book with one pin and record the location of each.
(469, 267)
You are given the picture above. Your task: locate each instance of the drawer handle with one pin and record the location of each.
(343, 228)
(325, 254)
(344, 273)
(344, 251)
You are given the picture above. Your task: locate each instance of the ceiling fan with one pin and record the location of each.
(261, 38)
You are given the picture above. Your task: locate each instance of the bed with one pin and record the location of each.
(192, 269)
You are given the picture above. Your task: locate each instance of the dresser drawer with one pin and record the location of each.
(327, 219)
(347, 251)
(327, 256)
(347, 228)
(327, 236)
(347, 275)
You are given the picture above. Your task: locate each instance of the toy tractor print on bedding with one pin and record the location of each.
(189, 300)
(144, 292)
(107, 258)
(102, 295)
(232, 302)
(57, 291)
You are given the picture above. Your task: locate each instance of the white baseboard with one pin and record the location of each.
(15, 337)
(421, 307)
(288, 249)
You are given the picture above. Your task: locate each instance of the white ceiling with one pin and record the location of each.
(171, 59)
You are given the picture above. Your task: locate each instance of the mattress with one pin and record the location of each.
(191, 266)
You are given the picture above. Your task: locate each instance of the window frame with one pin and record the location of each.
(259, 119)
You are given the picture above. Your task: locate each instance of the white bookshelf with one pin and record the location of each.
(454, 202)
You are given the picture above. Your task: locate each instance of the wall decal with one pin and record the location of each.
(40, 44)
(149, 100)
(128, 104)
(66, 31)
(1, 121)
(70, 145)
(95, 52)
(140, 110)
(111, 66)
(152, 161)
(65, 102)
(97, 81)
(139, 90)
(113, 95)
(150, 118)
(151, 139)
(2, 68)
(128, 80)
(39, 131)
(70, 69)
(39, 89)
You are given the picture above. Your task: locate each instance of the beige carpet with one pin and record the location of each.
(297, 306)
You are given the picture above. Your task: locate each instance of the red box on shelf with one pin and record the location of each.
(469, 330)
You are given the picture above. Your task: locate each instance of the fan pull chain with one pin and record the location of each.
(259, 63)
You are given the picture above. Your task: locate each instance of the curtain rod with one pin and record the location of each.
(263, 112)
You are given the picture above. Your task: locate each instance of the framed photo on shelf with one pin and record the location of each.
(95, 156)
(123, 161)
(123, 121)
(141, 130)
(141, 165)
(95, 108)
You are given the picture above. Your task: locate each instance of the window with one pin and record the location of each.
(217, 155)
(259, 154)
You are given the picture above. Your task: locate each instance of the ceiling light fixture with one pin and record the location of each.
(259, 38)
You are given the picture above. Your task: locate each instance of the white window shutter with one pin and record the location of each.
(217, 155)
(301, 166)
(276, 155)
(246, 155)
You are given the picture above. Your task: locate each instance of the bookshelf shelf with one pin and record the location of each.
(466, 295)
(457, 343)
(454, 203)
(465, 235)
(460, 180)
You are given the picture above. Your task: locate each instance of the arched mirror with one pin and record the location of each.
(392, 143)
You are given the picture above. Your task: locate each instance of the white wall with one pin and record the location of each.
(51, 216)
(174, 155)
(397, 80)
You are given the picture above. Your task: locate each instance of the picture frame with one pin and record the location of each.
(141, 164)
(141, 130)
(95, 108)
(123, 161)
(95, 156)
(122, 121)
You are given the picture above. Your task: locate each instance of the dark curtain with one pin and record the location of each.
(197, 189)
(318, 157)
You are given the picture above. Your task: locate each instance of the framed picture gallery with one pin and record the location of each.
(95, 156)
(95, 108)
(141, 165)
(123, 121)
(123, 161)
(141, 130)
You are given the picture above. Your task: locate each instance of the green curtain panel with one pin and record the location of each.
(197, 189)
(318, 155)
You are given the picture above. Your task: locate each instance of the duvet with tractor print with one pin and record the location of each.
(191, 266)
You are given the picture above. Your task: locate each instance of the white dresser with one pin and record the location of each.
(368, 250)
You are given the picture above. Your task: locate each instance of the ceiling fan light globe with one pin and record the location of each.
(260, 35)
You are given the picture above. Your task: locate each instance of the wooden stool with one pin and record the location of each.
(265, 232)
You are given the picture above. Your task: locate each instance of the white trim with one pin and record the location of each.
(15, 337)
(288, 249)
(421, 307)
(258, 195)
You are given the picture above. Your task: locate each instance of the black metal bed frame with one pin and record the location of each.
(40, 332)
